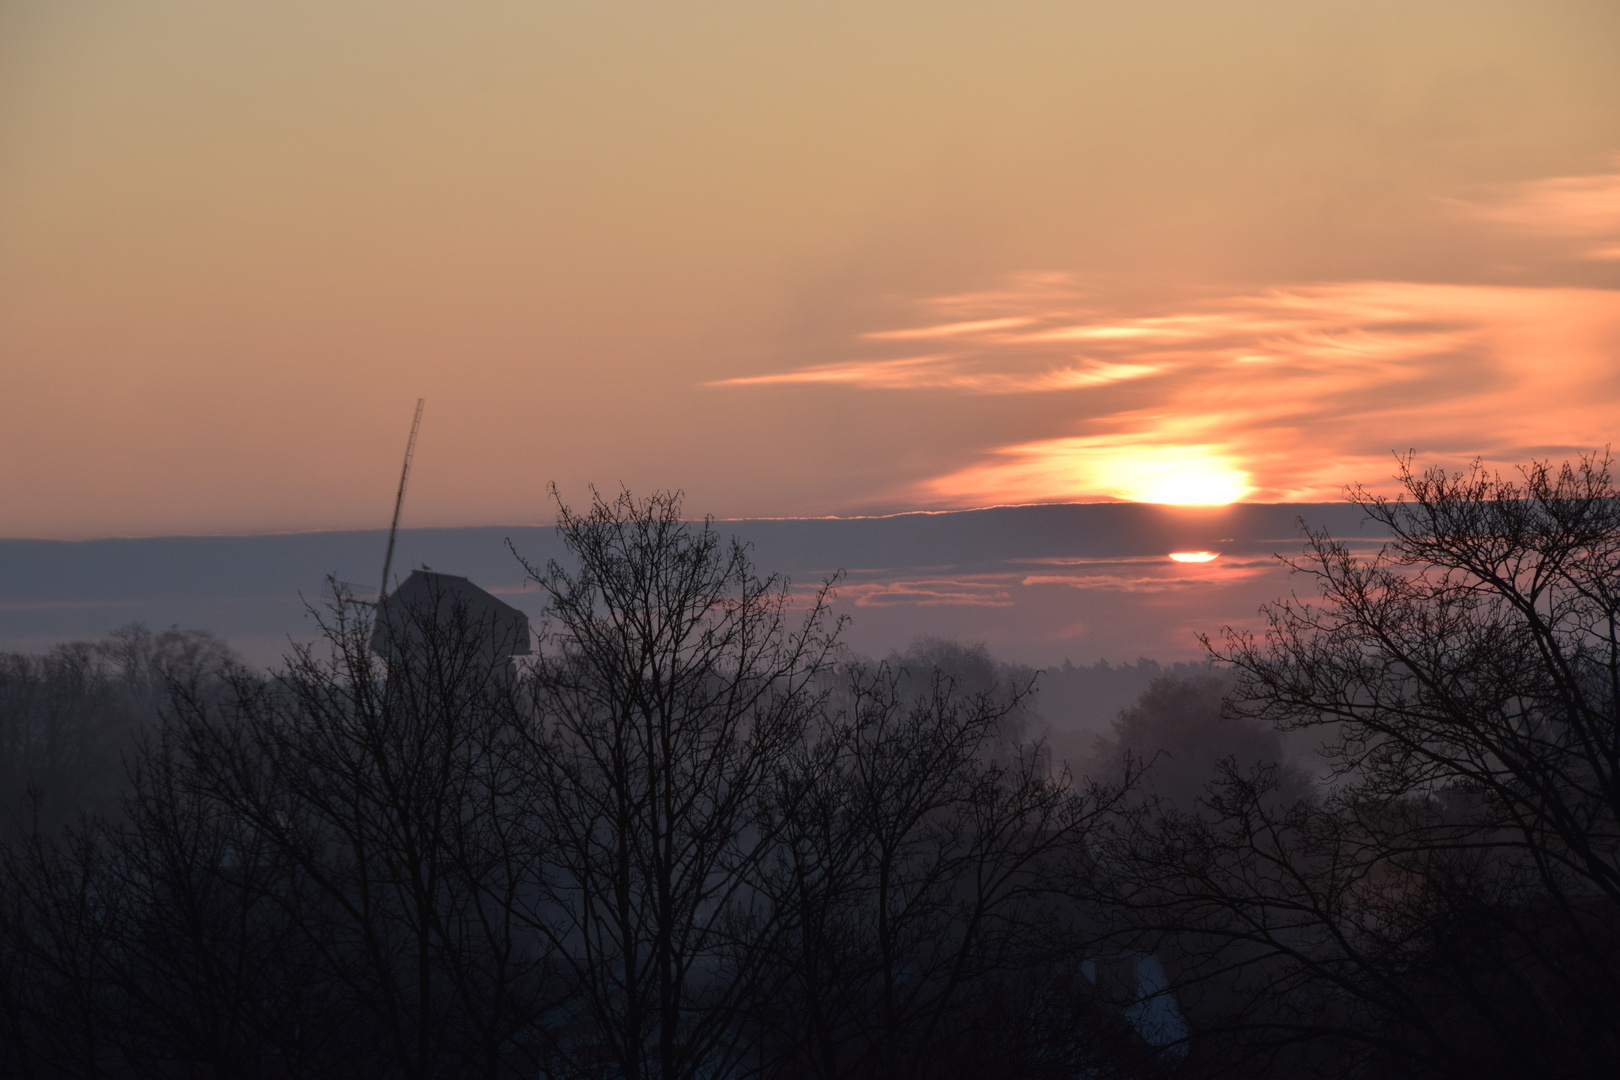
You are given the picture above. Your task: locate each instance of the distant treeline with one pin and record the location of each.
(692, 836)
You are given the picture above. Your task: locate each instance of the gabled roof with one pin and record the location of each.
(425, 595)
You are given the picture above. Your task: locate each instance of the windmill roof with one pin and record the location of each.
(401, 613)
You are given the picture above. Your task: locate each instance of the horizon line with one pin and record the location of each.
(1184, 507)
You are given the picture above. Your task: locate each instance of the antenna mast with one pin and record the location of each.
(399, 500)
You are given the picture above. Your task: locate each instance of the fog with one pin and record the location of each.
(1040, 585)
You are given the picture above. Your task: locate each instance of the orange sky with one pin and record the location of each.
(795, 259)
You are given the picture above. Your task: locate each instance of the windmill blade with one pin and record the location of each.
(399, 499)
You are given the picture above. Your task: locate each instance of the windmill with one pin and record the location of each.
(501, 632)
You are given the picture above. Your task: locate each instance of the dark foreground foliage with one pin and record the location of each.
(691, 839)
(1451, 906)
(695, 838)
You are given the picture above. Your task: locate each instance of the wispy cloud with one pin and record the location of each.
(1163, 574)
(966, 374)
(1582, 209)
(1267, 395)
(1158, 574)
(947, 330)
(1287, 395)
(1032, 337)
(983, 592)
(1128, 466)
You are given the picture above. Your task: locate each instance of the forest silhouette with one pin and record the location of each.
(695, 835)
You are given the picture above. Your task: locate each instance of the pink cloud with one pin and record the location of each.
(966, 374)
(1286, 395)
(1174, 578)
(1277, 395)
(947, 330)
(1585, 209)
(974, 593)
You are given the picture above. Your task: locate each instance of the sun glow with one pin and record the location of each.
(1194, 556)
(1176, 476)
(1091, 467)
(1277, 396)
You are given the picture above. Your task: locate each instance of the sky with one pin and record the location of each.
(793, 259)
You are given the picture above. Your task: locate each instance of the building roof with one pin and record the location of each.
(403, 614)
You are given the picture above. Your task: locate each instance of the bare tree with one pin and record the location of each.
(73, 885)
(917, 871)
(60, 904)
(1452, 906)
(210, 973)
(71, 717)
(387, 791)
(670, 682)
(1179, 732)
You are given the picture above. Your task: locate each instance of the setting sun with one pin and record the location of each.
(1099, 467)
(1194, 556)
(1180, 476)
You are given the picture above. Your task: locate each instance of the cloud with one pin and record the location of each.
(948, 373)
(1277, 396)
(1023, 339)
(1286, 395)
(1270, 395)
(1120, 467)
(1155, 576)
(946, 330)
(1583, 209)
(929, 593)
